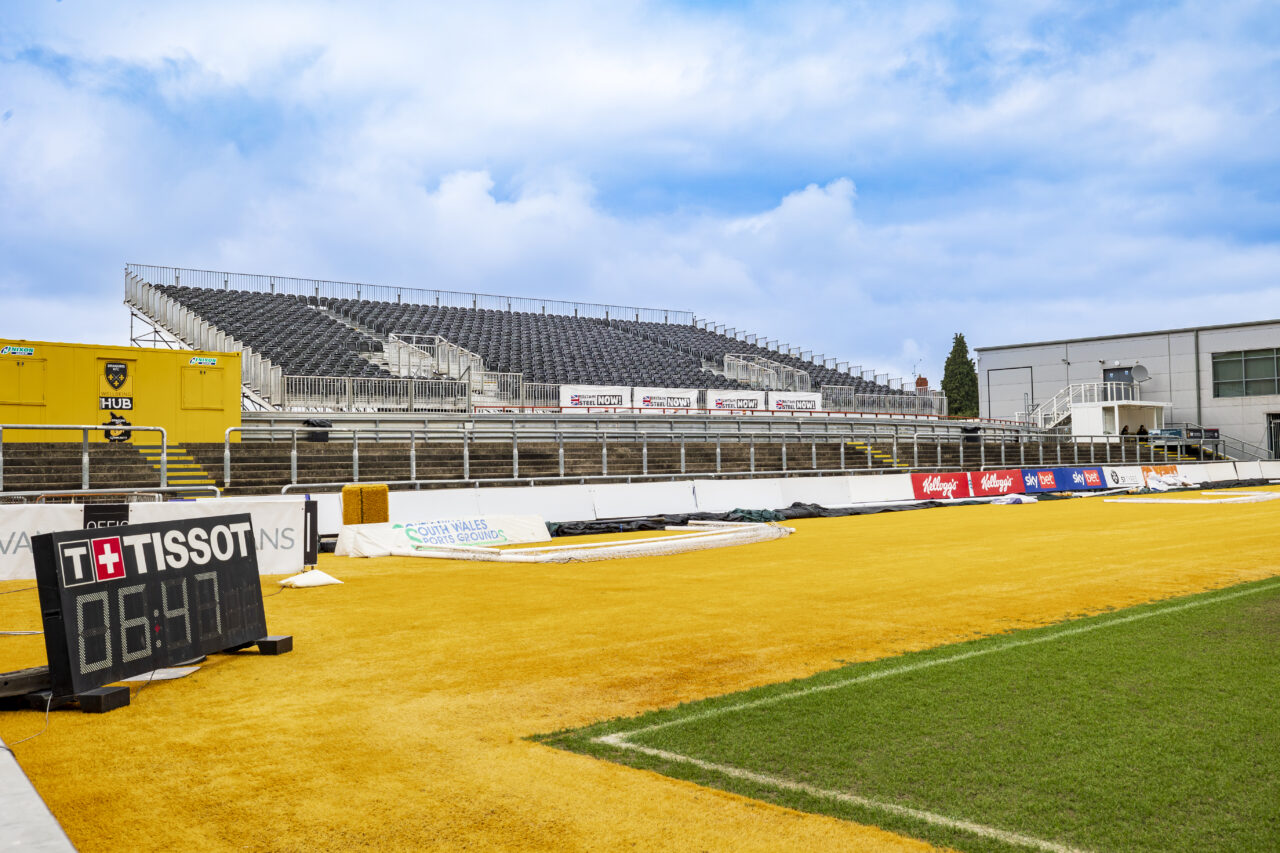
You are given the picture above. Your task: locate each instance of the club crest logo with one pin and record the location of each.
(117, 372)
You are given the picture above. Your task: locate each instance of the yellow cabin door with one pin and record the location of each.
(22, 393)
(202, 388)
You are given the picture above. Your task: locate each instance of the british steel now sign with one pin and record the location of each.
(940, 487)
(986, 483)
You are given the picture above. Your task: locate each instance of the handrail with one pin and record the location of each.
(215, 280)
(906, 449)
(84, 445)
(146, 490)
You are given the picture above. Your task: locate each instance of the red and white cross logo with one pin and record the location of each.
(108, 558)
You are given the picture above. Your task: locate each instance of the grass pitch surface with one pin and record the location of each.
(1149, 729)
(402, 718)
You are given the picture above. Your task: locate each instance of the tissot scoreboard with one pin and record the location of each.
(127, 600)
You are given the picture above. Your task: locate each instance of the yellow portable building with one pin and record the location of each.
(194, 395)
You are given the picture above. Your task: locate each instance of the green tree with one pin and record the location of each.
(960, 380)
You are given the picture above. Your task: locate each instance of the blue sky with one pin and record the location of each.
(863, 179)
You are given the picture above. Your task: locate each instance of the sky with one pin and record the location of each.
(860, 179)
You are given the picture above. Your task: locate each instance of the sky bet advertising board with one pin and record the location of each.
(129, 599)
(1062, 479)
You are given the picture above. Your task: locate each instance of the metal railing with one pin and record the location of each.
(384, 293)
(900, 443)
(84, 445)
(1240, 449)
(847, 398)
(184, 324)
(1057, 407)
(760, 372)
(878, 450)
(374, 394)
(41, 496)
(411, 355)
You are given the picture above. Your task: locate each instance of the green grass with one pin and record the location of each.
(1160, 732)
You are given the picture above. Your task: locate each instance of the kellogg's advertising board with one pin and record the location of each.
(987, 483)
(939, 487)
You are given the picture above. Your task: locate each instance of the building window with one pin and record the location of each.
(1246, 373)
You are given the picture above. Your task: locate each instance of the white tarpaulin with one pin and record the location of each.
(661, 401)
(594, 397)
(720, 401)
(794, 401)
(19, 522)
(379, 540)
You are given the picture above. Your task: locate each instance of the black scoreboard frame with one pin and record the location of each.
(127, 600)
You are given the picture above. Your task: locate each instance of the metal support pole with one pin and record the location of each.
(226, 460)
(560, 451)
(293, 458)
(604, 455)
(515, 456)
(355, 456)
(682, 453)
(813, 456)
(84, 459)
(466, 455)
(753, 454)
(784, 453)
(413, 455)
(718, 454)
(842, 444)
(164, 459)
(644, 455)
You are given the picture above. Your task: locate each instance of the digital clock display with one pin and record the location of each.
(123, 601)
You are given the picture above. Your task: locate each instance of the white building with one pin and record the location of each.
(1223, 377)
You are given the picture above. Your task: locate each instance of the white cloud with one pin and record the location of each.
(1018, 174)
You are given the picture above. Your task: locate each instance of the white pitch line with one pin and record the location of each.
(925, 664)
(621, 740)
(843, 797)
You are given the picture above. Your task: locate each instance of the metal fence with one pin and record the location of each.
(851, 449)
(350, 394)
(430, 355)
(760, 372)
(846, 398)
(184, 324)
(386, 293)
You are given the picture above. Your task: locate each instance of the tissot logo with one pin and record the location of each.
(117, 372)
(110, 558)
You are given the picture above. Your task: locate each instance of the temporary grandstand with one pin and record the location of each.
(335, 346)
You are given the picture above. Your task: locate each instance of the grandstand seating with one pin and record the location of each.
(287, 329)
(545, 348)
(305, 337)
(715, 346)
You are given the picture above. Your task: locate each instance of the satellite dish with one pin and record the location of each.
(1140, 373)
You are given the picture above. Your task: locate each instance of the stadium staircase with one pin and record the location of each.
(182, 469)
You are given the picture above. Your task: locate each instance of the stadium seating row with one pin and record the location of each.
(306, 336)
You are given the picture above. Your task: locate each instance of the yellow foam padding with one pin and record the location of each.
(375, 499)
(401, 718)
(352, 504)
